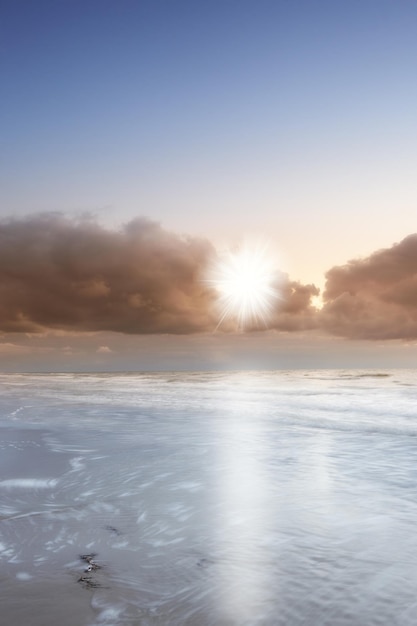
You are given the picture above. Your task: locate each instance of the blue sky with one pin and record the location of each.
(291, 120)
(216, 118)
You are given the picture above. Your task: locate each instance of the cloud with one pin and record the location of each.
(104, 350)
(63, 274)
(10, 349)
(59, 274)
(295, 311)
(374, 297)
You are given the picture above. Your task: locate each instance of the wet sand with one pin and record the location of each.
(29, 470)
(45, 602)
(208, 500)
(27, 460)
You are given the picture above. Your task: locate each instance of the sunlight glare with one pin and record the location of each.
(246, 283)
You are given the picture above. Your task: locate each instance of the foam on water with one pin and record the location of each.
(28, 483)
(264, 498)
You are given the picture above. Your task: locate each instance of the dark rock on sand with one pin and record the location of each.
(113, 530)
(88, 582)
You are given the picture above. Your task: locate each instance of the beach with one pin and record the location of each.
(208, 498)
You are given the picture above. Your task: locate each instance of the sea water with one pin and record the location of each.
(236, 498)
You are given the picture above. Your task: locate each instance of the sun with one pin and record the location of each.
(246, 282)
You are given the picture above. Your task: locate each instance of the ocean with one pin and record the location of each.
(282, 498)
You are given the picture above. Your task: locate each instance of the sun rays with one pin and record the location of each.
(246, 282)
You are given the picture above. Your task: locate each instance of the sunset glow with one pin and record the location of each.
(246, 282)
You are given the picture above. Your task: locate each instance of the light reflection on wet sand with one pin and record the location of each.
(271, 499)
(243, 516)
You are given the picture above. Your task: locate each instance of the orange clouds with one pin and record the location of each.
(375, 297)
(61, 274)
(295, 312)
(56, 273)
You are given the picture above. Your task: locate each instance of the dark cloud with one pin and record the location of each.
(375, 297)
(295, 311)
(67, 275)
(57, 273)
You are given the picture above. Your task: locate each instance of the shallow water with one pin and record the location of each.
(264, 498)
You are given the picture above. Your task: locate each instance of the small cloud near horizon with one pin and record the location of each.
(104, 350)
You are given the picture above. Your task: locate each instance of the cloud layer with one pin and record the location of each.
(69, 275)
(57, 273)
(375, 297)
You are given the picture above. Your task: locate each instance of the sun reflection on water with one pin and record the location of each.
(243, 516)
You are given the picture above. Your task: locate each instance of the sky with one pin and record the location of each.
(140, 140)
